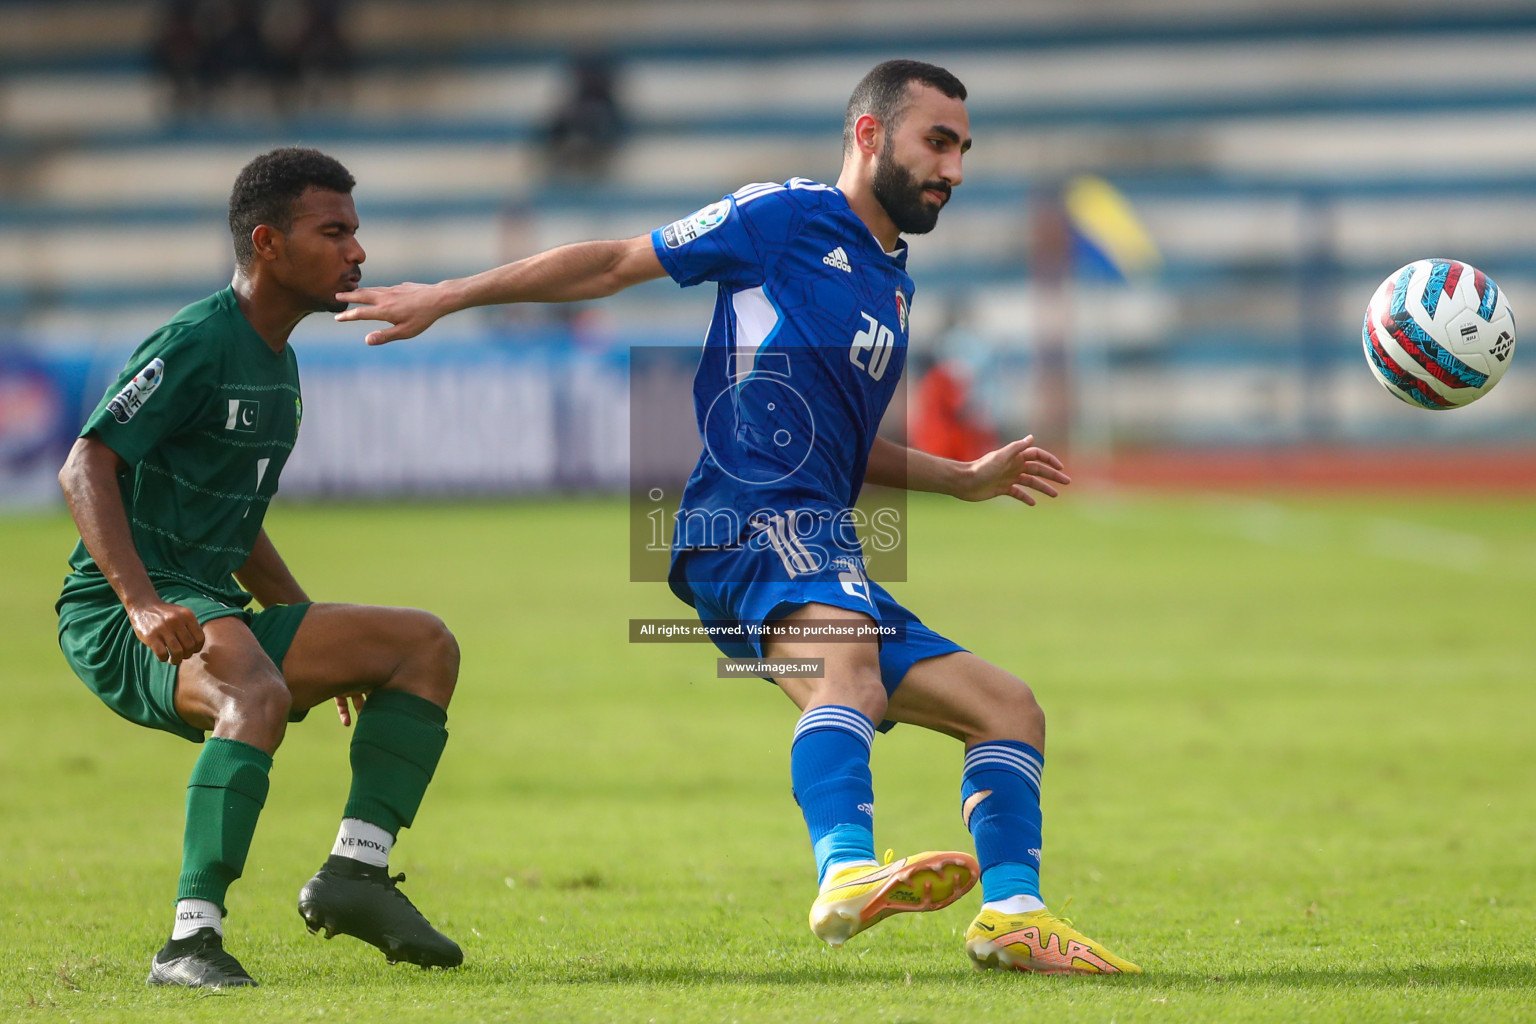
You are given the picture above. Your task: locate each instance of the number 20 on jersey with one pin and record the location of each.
(871, 349)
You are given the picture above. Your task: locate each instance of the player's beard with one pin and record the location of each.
(899, 191)
(330, 304)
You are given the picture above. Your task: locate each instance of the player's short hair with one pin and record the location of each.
(267, 187)
(883, 92)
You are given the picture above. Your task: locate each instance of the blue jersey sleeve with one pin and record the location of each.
(732, 242)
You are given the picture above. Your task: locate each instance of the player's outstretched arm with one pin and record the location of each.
(89, 479)
(569, 273)
(1013, 470)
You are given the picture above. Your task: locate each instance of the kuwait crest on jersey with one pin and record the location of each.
(901, 310)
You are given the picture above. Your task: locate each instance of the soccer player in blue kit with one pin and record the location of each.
(806, 346)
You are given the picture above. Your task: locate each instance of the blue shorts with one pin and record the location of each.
(754, 584)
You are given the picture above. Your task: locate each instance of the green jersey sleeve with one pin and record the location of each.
(167, 384)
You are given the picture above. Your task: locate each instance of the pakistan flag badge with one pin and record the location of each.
(244, 415)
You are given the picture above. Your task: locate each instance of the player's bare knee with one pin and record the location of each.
(859, 688)
(1022, 713)
(872, 689)
(1006, 709)
(443, 637)
(269, 702)
(1034, 713)
(255, 711)
(436, 650)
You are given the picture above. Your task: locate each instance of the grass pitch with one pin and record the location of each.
(1289, 772)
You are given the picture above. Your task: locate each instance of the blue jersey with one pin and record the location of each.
(804, 352)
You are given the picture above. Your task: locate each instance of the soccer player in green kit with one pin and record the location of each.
(169, 484)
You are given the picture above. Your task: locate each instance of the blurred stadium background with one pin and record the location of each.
(1292, 775)
(1171, 221)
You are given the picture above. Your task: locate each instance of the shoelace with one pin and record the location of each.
(394, 887)
(218, 956)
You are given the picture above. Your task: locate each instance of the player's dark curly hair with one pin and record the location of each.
(883, 93)
(266, 188)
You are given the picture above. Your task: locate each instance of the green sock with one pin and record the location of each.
(395, 747)
(224, 798)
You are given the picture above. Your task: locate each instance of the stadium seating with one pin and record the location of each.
(1283, 157)
(1273, 112)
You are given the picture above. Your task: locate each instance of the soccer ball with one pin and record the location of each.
(1438, 334)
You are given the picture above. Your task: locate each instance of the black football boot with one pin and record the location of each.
(198, 961)
(348, 897)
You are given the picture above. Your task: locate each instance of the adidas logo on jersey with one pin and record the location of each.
(839, 259)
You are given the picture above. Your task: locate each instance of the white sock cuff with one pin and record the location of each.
(1005, 757)
(1023, 904)
(192, 915)
(835, 716)
(838, 865)
(364, 841)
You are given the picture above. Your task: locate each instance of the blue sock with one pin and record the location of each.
(829, 768)
(1001, 792)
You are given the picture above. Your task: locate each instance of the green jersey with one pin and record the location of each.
(205, 415)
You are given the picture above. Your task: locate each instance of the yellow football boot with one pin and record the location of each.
(1038, 941)
(861, 895)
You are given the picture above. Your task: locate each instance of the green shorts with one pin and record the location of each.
(102, 648)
